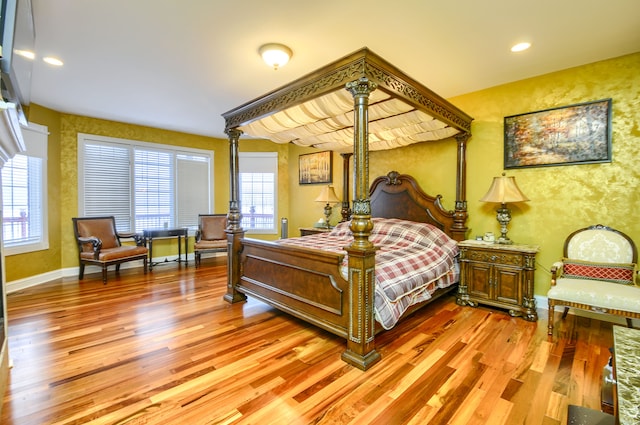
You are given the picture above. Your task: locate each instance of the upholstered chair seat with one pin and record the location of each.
(204, 245)
(598, 273)
(115, 253)
(623, 297)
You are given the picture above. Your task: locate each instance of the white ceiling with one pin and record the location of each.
(179, 64)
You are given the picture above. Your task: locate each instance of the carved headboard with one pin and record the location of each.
(399, 196)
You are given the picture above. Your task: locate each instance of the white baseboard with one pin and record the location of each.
(20, 284)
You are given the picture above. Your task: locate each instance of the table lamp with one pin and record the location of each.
(504, 189)
(328, 196)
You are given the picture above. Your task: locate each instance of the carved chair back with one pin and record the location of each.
(212, 226)
(600, 244)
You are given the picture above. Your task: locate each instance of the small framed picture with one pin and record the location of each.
(316, 168)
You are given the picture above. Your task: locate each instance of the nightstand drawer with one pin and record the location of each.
(494, 257)
(306, 231)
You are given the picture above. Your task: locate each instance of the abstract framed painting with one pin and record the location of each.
(567, 135)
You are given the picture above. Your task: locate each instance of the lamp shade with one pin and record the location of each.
(504, 189)
(275, 55)
(328, 196)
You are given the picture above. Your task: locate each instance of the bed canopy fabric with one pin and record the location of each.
(317, 111)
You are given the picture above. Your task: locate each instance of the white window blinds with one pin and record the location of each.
(193, 180)
(105, 182)
(153, 171)
(22, 201)
(24, 195)
(144, 185)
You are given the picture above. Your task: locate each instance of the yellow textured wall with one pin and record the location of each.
(563, 198)
(305, 212)
(71, 125)
(63, 182)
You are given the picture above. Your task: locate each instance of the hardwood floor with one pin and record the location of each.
(164, 348)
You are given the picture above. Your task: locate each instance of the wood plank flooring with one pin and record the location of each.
(164, 348)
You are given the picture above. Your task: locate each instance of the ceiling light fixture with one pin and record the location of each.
(275, 55)
(520, 47)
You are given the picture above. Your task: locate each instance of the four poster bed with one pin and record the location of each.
(353, 105)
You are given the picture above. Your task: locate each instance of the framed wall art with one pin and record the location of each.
(316, 168)
(574, 134)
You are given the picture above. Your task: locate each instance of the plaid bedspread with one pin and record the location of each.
(412, 261)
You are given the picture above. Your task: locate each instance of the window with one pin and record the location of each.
(24, 195)
(144, 185)
(258, 183)
(154, 188)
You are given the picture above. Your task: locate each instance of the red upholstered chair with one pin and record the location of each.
(210, 236)
(597, 273)
(99, 244)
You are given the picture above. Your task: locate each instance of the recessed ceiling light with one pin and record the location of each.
(520, 47)
(53, 61)
(25, 53)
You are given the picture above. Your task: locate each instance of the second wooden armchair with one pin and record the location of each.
(597, 273)
(210, 236)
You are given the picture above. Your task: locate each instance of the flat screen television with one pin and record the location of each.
(17, 32)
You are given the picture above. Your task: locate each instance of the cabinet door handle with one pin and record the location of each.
(493, 258)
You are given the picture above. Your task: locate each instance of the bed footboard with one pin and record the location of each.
(306, 283)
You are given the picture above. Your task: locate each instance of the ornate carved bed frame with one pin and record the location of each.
(307, 283)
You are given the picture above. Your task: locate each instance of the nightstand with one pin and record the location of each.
(498, 275)
(306, 231)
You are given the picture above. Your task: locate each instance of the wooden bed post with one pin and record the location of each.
(459, 228)
(361, 350)
(346, 205)
(234, 229)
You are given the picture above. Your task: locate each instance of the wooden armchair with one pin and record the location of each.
(210, 236)
(99, 244)
(597, 273)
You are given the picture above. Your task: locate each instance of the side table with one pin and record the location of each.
(180, 233)
(498, 275)
(306, 231)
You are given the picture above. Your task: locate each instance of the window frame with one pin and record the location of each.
(36, 140)
(177, 153)
(261, 160)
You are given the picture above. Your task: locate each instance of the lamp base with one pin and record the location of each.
(504, 217)
(327, 213)
(504, 241)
